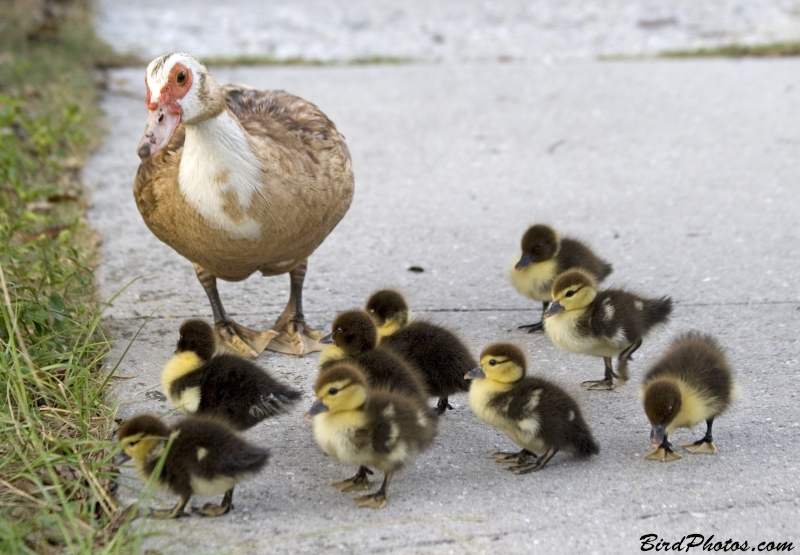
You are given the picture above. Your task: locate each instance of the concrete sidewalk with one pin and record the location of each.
(683, 174)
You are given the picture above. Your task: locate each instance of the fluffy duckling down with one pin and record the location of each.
(545, 255)
(371, 428)
(226, 386)
(390, 311)
(692, 382)
(535, 413)
(355, 339)
(607, 323)
(205, 457)
(440, 356)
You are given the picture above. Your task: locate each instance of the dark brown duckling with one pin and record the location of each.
(355, 338)
(692, 382)
(206, 458)
(372, 428)
(535, 413)
(227, 386)
(605, 323)
(545, 255)
(440, 356)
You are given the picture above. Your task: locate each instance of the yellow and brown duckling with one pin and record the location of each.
(354, 338)
(535, 413)
(226, 386)
(371, 428)
(389, 309)
(440, 356)
(545, 255)
(692, 382)
(206, 457)
(606, 323)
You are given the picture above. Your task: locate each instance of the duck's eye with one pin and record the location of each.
(569, 293)
(492, 362)
(537, 248)
(333, 391)
(132, 443)
(372, 310)
(180, 78)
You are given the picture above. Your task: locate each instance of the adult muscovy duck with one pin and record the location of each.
(239, 181)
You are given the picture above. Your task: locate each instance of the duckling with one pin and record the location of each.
(601, 323)
(354, 338)
(227, 386)
(545, 255)
(206, 457)
(535, 413)
(389, 309)
(690, 383)
(372, 428)
(439, 355)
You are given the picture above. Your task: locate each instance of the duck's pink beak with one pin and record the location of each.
(161, 123)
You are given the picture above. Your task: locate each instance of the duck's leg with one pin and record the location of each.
(293, 336)
(174, 512)
(376, 500)
(607, 383)
(209, 509)
(538, 464)
(443, 405)
(538, 326)
(663, 452)
(358, 482)
(705, 445)
(514, 458)
(233, 337)
(624, 357)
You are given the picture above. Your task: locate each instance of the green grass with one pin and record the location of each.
(56, 468)
(773, 50)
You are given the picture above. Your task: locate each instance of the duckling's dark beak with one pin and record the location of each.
(524, 261)
(328, 339)
(657, 435)
(315, 409)
(475, 373)
(554, 308)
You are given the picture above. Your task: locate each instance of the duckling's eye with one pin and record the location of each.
(339, 329)
(181, 78)
(132, 443)
(333, 391)
(492, 362)
(570, 293)
(538, 247)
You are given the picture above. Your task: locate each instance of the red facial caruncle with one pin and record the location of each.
(164, 115)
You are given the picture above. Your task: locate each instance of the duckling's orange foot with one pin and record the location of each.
(209, 509)
(701, 447)
(514, 458)
(532, 328)
(527, 467)
(240, 340)
(372, 501)
(358, 482)
(601, 385)
(295, 338)
(663, 455)
(442, 406)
